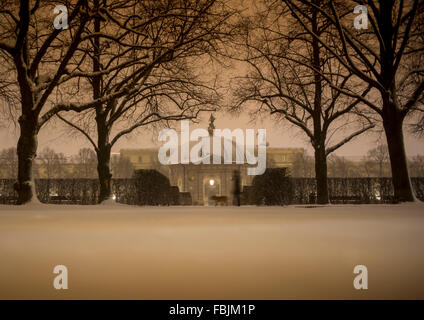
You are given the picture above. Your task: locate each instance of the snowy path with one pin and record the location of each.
(212, 253)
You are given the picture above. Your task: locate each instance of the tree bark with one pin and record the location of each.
(103, 160)
(103, 145)
(27, 151)
(105, 176)
(391, 112)
(392, 122)
(319, 133)
(321, 175)
(28, 120)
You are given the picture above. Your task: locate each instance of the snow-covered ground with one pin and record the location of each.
(212, 253)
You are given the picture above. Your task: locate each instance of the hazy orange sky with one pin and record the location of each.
(278, 135)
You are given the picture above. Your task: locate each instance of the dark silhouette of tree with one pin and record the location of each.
(387, 56)
(293, 78)
(156, 45)
(37, 56)
(38, 60)
(49, 66)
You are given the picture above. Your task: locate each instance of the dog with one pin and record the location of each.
(220, 199)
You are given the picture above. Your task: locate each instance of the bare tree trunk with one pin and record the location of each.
(103, 146)
(28, 123)
(103, 160)
(393, 121)
(105, 177)
(391, 114)
(27, 151)
(319, 135)
(321, 175)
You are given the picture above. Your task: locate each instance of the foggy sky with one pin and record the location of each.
(55, 136)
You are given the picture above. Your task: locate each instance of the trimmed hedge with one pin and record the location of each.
(152, 188)
(273, 188)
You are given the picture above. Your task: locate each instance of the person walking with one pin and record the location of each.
(237, 187)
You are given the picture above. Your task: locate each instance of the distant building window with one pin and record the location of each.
(140, 159)
(283, 158)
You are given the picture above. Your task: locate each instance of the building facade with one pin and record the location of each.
(205, 180)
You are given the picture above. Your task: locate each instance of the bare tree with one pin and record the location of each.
(387, 57)
(156, 44)
(85, 163)
(52, 164)
(39, 60)
(379, 155)
(415, 69)
(292, 77)
(37, 56)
